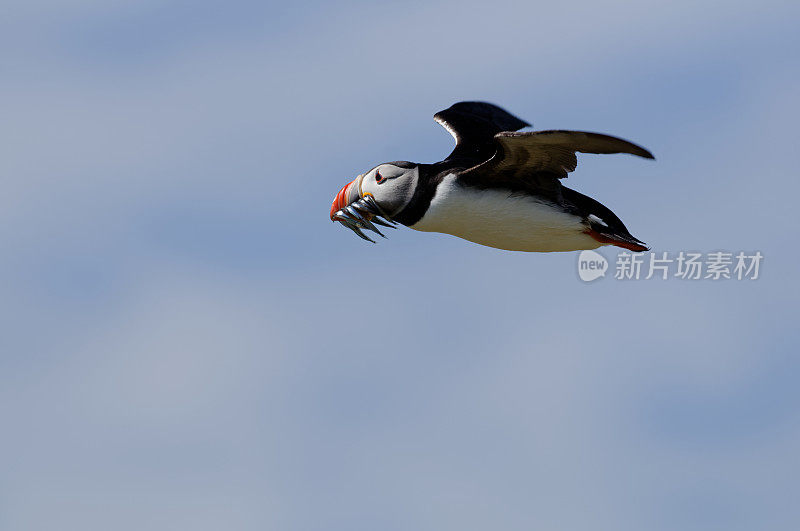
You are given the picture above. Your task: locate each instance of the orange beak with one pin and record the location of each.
(346, 195)
(356, 212)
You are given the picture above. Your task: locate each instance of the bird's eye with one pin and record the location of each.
(378, 178)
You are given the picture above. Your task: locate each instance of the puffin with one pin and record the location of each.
(499, 187)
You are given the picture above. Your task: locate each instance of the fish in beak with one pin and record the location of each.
(358, 213)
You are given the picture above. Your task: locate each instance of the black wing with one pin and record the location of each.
(551, 152)
(474, 125)
(535, 162)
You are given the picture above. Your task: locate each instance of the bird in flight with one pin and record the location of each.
(499, 187)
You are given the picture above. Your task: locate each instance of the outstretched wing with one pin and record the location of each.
(535, 162)
(551, 152)
(474, 125)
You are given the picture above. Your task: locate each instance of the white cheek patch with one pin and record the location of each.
(396, 190)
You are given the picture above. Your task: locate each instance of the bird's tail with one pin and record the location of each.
(626, 241)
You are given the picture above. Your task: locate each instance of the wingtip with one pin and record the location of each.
(642, 152)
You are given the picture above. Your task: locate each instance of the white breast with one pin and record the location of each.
(499, 219)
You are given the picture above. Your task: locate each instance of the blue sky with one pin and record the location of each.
(188, 342)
